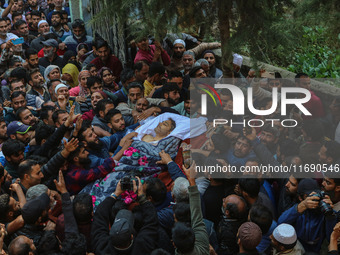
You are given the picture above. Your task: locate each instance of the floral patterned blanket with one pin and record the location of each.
(139, 160)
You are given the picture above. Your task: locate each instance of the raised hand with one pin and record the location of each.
(71, 145)
(250, 135)
(190, 173)
(79, 123)
(71, 117)
(60, 184)
(62, 102)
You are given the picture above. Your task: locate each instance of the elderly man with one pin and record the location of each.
(50, 54)
(284, 241)
(44, 30)
(36, 80)
(63, 99)
(178, 50)
(188, 60)
(234, 214)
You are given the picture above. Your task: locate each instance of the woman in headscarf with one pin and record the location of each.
(52, 72)
(70, 75)
(82, 52)
(70, 57)
(81, 90)
(108, 78)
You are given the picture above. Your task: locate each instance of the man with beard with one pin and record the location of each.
(81, 170)
(269, 137)
(99, 124)
(57, 27)
(35, 215)
(58, 6)
(4, 35)
(189, 105)
(78, 36)
(188, 60)
(50, 7)
(209, 55)
(330, 154)
(17, 130)
(332, 187)
(178, 50)
(30, 174)
(13, 151)
(32, 5)
(33, 102)
(44, 30)
(176, 77)
(32, 60)
(171, 93)
(36, 81)
(26, 117)
(311, 225)
(21, 30)
(3, 131)
(50, 54)
(288, 193)
(135, 92)
(10, 213)
(241, 152)
(99, 148)
(33, 27)
(116, 122)
(284, 241)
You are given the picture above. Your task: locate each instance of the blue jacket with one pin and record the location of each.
(110, 143)
(311, 228)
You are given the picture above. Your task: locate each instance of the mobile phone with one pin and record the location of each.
(18, 41)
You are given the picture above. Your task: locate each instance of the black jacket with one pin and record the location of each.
(31, 231)
(226, 234)
(145, 241)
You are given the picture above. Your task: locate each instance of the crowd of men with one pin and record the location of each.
(67, 106)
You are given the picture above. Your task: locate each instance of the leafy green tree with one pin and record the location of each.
(242, 24)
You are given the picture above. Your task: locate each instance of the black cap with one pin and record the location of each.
(34, 208)
(122, 228)
(307, 186)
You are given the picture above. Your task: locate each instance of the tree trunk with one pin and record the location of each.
(224, 12)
